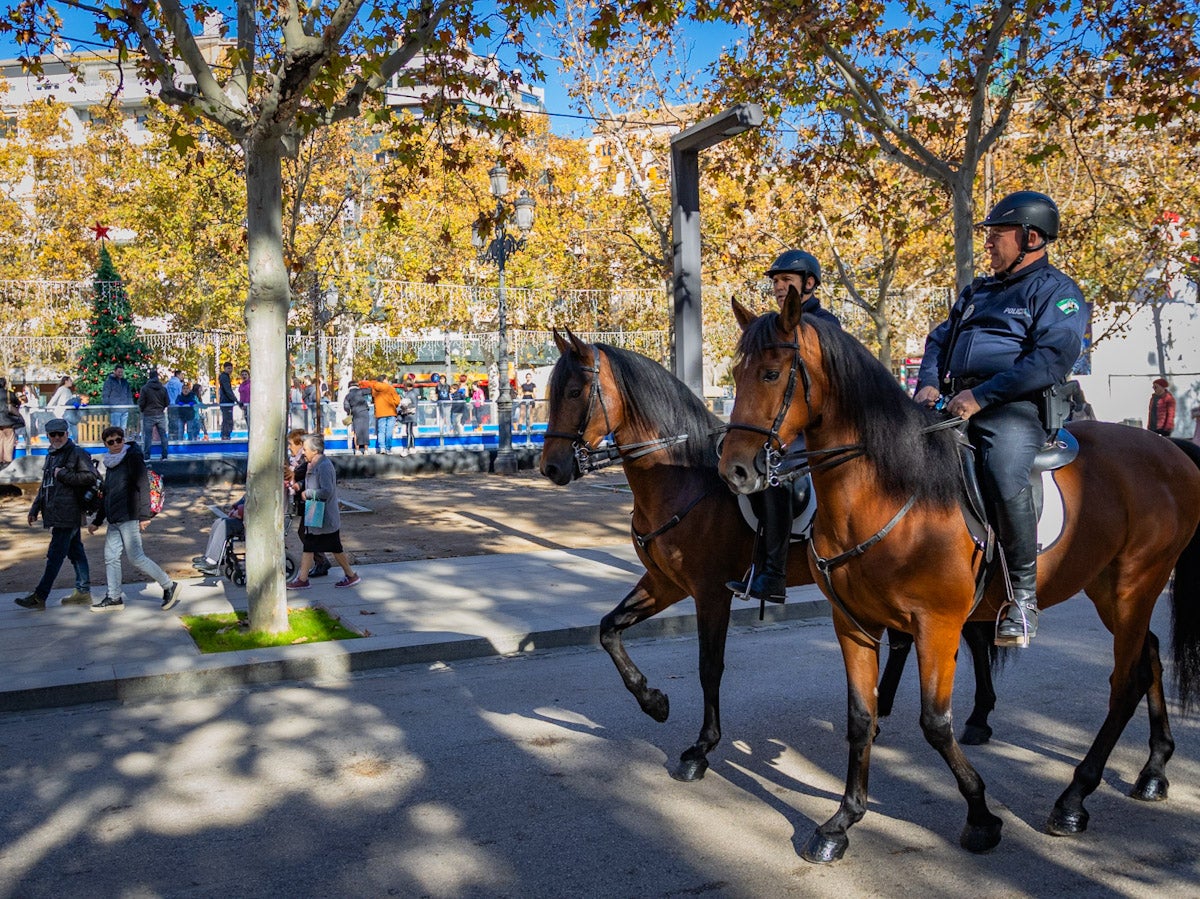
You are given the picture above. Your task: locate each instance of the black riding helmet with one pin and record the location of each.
(1026, 208)
(796, 262)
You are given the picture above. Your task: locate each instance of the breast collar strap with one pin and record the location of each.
(590, 458)
(825, 566)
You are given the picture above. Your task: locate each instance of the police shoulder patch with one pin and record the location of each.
(1067, 306)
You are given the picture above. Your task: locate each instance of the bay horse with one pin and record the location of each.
(892, 550)
(597, 390)
(686, 526)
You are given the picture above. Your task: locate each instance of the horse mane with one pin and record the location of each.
(656, 402)
(889, 424)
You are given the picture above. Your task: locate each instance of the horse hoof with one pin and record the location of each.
(1150, 788)
(981, 837)
(822, 849)
(690, 769)
(657, 705)
(975, 735)
(1067, 824)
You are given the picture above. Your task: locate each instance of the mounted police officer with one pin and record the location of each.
(1009, 336)
(793, 268)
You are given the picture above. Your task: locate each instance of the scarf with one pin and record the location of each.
(111, 459)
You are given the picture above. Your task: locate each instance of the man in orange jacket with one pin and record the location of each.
(387, 401)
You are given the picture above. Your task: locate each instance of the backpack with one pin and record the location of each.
(91, 499)
(156, 492)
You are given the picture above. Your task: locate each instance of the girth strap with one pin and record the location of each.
(642, 539)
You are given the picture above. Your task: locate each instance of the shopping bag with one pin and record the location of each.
(314, 513)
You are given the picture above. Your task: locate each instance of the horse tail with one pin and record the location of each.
(1185, 609)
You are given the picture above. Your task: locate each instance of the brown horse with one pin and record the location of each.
(687, 528)
(891, 550)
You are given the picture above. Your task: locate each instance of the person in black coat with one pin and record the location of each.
(768, 576)
(126, 508)
(67, 473)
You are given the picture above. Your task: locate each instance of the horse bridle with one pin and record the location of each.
(590, 458)
(772, 465)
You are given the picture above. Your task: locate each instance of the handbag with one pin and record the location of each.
(349, 419)
(314, 513)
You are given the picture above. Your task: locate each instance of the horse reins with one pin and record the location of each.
(829, 458)
(590, 458)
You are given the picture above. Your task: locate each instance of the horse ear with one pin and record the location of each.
(743, 315)
(561, 343)
(582, 350)
(789, 309)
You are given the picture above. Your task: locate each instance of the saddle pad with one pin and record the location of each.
(804, 508)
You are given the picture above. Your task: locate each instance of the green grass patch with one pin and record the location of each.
(231, 630)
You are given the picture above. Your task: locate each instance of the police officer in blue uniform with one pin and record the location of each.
(793, 268)
(1009, 336)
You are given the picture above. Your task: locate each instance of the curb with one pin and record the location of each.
(207, 674)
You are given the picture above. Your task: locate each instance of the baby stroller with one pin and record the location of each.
(233, 556)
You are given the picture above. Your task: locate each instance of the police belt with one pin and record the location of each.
(958, 385)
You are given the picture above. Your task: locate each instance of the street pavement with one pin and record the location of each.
(411, 612)
(536, 775)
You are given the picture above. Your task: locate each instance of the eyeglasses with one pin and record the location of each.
(114, 441)
(994, 233)
(56, 433)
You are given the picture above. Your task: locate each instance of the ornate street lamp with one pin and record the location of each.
(497, 250)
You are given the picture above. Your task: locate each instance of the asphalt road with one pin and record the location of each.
(538, 776)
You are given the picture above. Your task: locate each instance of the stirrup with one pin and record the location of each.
(1028, 626)
(741, 589)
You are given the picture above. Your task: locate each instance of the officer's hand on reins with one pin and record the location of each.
(963, 405)
(927, 397)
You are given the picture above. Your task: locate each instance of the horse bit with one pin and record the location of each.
(589, 458)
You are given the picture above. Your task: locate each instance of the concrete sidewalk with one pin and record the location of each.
(411, 612)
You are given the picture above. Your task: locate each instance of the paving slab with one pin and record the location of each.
(412, 612)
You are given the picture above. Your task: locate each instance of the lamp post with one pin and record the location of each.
(688, 351)
(497, 250)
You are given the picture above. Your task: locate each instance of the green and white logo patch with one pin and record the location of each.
(1067, 306)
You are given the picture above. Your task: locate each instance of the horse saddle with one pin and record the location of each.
(804, 507)
(1060, 450)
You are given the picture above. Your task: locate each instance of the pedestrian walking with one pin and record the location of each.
(243, 392)
(126, 509)
(387, 401)
(323, 526)
(67, 473)
(1161, 416)
(153, 401)
(298, 465)
(528, 402)
(187, 407)
(227, 399)
(61, 400)
(174, 387)
(458, 406)
(117, 395)
(410, 398)
(358, 407)
(10, 421)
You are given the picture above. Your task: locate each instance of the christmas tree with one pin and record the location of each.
(113, 338)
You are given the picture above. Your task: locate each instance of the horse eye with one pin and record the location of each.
(771, 375)
(575, 392)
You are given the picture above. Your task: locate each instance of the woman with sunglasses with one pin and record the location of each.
(126, 508)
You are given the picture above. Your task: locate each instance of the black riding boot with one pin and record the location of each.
(769, 580)
(1016, 527)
